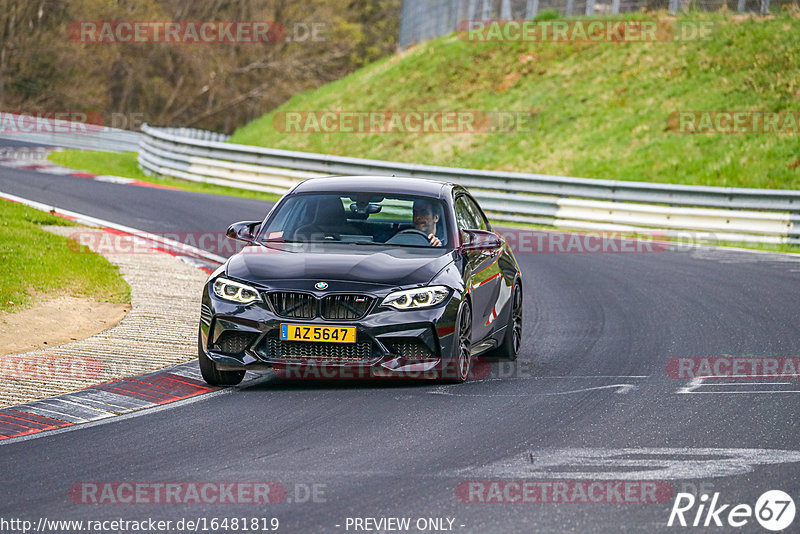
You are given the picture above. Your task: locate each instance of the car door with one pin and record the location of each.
(485, 277)
(501, 285)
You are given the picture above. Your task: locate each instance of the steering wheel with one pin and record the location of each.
(417, 235)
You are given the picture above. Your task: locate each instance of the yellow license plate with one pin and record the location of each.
(323, 334)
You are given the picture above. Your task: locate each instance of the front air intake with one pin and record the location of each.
(346, 307)
(294, 305)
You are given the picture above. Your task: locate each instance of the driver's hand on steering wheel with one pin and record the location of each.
(435, 241)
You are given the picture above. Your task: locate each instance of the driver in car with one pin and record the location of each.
(425, 219)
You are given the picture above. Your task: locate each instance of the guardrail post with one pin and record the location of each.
(589, 7)
(455, 14)
(531, 9)
(615, 7)
(441, 17)
(740, 6)
(471, 7)
(764, 7)
(570, 7)
(456, 6)
(673, 6)
(402, 38)
(486, 13)
(505, 10)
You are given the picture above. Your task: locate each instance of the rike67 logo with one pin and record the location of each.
(774, 510)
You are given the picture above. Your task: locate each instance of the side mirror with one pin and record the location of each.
(472, 240)
(243, 231)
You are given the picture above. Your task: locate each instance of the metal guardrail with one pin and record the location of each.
(693, 212)
(70, 135)
(697, 212)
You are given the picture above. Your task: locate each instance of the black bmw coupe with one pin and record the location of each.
(363, 276)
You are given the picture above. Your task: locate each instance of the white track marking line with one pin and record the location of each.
(781, 391)
(623, 389)
(641, 463)
(589, 377)
(751, 384)
(696, 383)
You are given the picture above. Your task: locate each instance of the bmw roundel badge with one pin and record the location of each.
(321, 286)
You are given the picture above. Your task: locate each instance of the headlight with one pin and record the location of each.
(412, 299)
(234, 291)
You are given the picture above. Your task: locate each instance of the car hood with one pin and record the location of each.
(274, 264)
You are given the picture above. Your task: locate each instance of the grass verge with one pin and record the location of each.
(33, 260)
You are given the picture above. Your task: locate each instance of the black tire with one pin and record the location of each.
(512, 339)
(456, 370)
(212, 375)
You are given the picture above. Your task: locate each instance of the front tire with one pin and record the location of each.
(212, 375)
(456, 371)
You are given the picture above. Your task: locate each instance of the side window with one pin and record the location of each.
(464, 218)
(477, 215)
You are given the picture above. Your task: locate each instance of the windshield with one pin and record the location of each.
(360, 218)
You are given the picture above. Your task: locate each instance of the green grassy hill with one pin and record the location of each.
(601, 108)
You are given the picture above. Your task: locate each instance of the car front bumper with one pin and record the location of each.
(389, 343)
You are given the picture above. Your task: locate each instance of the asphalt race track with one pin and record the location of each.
(589, 399)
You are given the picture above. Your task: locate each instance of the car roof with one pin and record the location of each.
(375, 184)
